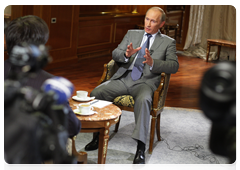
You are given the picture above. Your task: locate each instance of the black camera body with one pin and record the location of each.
(218, 102)
(35, 127)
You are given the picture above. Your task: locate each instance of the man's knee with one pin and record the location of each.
(144, 99)
(100, 92)
(95, 93)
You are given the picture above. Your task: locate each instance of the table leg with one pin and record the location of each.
(208, 51)
(219, 49)
(103, 145)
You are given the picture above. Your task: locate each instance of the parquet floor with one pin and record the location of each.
(183, 89)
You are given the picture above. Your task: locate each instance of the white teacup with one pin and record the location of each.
(84, 108)
(82, 94)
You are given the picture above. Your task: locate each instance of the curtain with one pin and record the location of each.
(195, 26)
(215, 22)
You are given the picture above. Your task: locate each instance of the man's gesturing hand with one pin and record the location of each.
(148, 57)
(130, 51)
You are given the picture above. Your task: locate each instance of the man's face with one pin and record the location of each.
(153, 22)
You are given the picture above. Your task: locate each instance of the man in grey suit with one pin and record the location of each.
(160, 58)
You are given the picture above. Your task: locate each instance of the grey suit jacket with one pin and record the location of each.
(163, 52)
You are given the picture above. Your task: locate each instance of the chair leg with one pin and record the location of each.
(117, 125)
(152, 132)
(158, 127)
(81, 156)
(208, 50)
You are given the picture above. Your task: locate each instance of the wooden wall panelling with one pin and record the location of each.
(63, 37)
(99, 35)
(120, 30)
(94, 36)
(142, 9)
(96, 9)
(63, 33)
(23, 10)
(16, 11)
(88, 36)
(122, 25)
(28, 9)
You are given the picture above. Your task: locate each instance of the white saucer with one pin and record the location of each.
(87, 114)
(82, 100)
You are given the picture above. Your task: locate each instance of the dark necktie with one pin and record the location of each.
(138, 65)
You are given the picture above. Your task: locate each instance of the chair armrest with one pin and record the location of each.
(109, 70)
(161, 93)
(158, 92)
(104, 75)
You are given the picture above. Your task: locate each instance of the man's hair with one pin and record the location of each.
(28, 29)
(163, 17)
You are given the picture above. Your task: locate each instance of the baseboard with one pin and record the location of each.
(62, 63)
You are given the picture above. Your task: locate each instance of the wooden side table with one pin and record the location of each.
(100, 122)
(219, 43)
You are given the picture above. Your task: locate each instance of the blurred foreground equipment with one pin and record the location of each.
(218, 102)
(35, 121)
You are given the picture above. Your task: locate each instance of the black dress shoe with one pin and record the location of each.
(93, 145)
(139, 157)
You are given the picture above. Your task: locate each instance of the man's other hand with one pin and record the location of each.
(130, 51)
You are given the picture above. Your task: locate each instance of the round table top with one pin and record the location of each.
(106, 113)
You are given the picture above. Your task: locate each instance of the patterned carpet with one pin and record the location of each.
(185, 139)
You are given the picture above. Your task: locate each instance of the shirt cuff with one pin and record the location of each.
(152, 65)
(126, 58)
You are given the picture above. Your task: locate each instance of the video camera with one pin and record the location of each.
(218, 102)
(35, 121)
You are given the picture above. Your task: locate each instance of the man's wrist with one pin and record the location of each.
(152, 65)
(126, 58)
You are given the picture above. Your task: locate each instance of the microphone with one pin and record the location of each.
(62, 87)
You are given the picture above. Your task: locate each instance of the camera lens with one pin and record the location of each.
(218, 90)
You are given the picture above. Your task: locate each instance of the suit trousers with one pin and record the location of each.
(142, 95)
